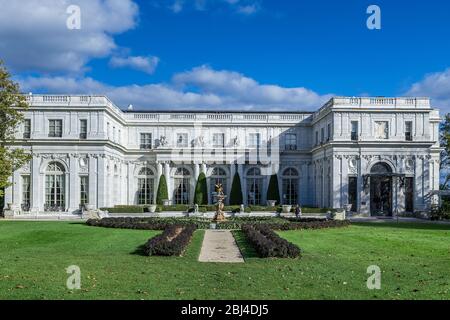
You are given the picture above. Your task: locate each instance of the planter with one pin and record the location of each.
(152, 208)
(287, 208)
(166, 202)
(13, 207)
(271, 203)
(89, 207)
(348, 207)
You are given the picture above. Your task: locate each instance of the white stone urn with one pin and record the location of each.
(89, 207)
(152, 208)
(348, 207)
(271, 203)
(166, 202)
(287, 208)
(13, 207)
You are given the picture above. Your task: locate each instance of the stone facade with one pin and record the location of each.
(86, 150)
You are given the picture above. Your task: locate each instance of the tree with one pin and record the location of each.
(444, 138)
(236, 191)
(201, 191)
(12, 103)
(162, 193)
(273, 192)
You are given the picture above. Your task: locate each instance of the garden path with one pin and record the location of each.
(220, 246)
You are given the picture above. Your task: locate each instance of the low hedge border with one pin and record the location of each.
(268, 244)
(281, 224)
(172, 242)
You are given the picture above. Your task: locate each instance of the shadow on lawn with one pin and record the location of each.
(404, 225)
(140, 251)
(246, 248)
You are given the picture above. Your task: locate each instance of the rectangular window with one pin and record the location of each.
(253, 140)
(317, 138)
(84, 190)
(26, 192)
(218, 140)
(354, 134)
(182, 140)
(146, 141)
(290, 141)
(83, 129)
(322, 135)
(27, 129)
(55, 128)
(408, 130)
(381, 130)
(329, 132)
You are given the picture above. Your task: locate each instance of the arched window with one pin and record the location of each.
(254, 186)
(381, 168)
(218, 175)
(145, 186)
(181, 186)
(290, 186)
(55, 187)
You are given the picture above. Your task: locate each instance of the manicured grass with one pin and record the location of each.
(414, 258)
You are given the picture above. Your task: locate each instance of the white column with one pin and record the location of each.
(74, 191)
(36, 186)
(168, 180)
(93, 181)
(101, 181)
(243, 183)
(130, 182)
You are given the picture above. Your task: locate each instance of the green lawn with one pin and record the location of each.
(414, 258)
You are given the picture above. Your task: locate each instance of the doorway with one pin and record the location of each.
(381, 190)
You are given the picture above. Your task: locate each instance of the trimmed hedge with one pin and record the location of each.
(236, 198)
(273, 191)
(204, 223)
(268, 244)
(201, 190)
(170, 242)
(162, 193)
(124, 209)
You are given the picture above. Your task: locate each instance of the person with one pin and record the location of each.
(298, 211)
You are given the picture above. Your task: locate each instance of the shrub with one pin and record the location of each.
(176, 207)
(273, 191)
(201, 191)
(124, 209)
(162, 193)
(236, 191)
(268, 244)
(172, 242)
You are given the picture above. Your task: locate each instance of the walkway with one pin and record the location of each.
(220, 246)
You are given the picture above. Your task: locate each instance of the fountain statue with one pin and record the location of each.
(219, 195)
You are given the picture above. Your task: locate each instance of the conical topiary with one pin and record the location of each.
(162, 193)
(273, 192)
(236, 191)
(201, 191)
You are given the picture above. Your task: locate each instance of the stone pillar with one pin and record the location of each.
(73, 196)
(336, 182)
(36, 186)
(168, 180)
(101, 181)
(131, 188)
(16, 199)
(363, 197)
(93, 181)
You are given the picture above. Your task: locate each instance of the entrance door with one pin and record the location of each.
(381, 196)
(409, 194)
(381, 190)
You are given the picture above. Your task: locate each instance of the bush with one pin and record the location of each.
(268, 244)
(176, 207)
(201, 191)
(162, 193)
(124, 209)
(172, 242)
(273, 191)
(236, 191)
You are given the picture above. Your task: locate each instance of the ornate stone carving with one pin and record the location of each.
(409, 164)
(353, 165)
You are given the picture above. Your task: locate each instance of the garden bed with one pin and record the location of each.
(172, 242)
(268, 244)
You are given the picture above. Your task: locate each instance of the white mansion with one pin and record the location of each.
(381, 155)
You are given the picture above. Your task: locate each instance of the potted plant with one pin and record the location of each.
(271, 203)
(166, 202)
(152, 208)
(287, 208)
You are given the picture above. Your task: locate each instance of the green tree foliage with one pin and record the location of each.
(201, 190)
(236, 191)
(273, 192)
(162, 193)
(12, 103)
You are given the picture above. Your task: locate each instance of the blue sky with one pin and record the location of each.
(233, 54)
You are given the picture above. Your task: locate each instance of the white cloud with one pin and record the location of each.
(199, 88)
(245, 7)
(435, 85)
(145, 64)
(248, 9)
(34, 35)
(177, 6)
